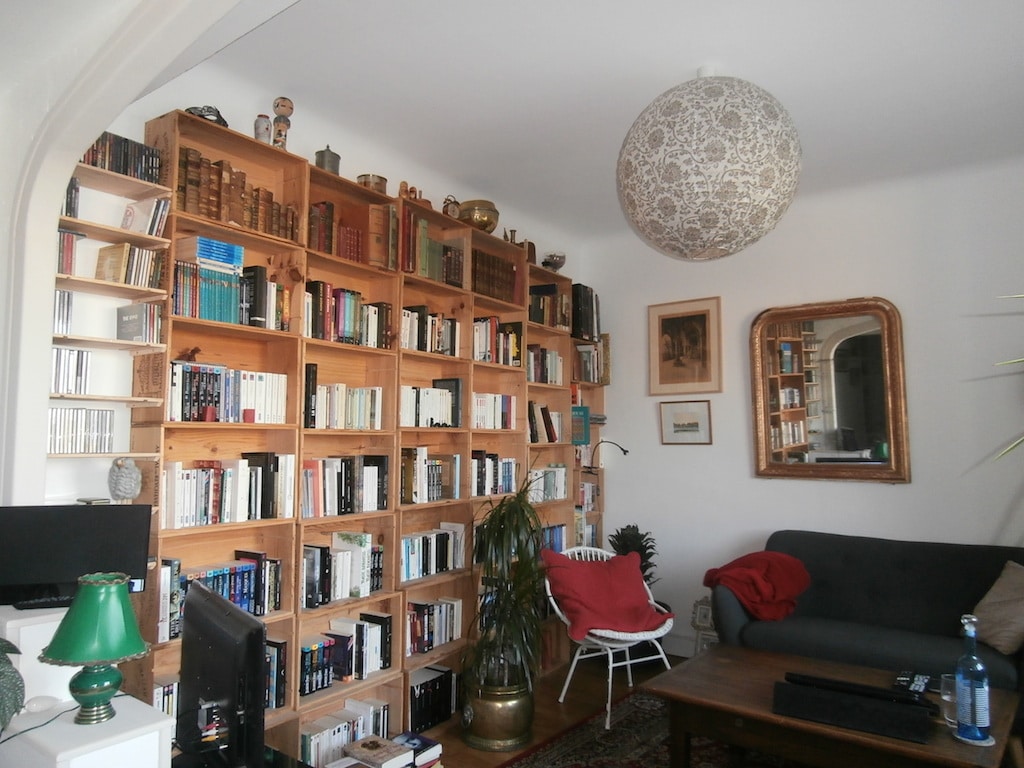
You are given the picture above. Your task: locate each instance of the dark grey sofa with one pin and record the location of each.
(879, 603)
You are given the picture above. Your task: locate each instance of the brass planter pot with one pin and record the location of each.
(498, 718)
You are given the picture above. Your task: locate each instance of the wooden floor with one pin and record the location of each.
(586, 697)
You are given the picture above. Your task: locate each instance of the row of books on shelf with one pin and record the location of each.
(548, 483)
(439, 405)
(217, 190)
(493, 411)
(499, 342)
(353, 649)
(495, 277)
(439, 260)
(125, 156)
(586, 313)
(545, 425)
(793, 329)
(214, 392)
(377, 245)
(251, 580)
(203, 291)
(586, 496)
(429, 552)
(80, 430)
(491, 474)
(787, 433)
(550, 307)
(258, 485)
(553, 537)
(343, 315)
(344, 485)
(788, 397)
(586, 530)
(427, 331)
(544, 366)
(430, 624)
(589, 363)
(147, 217)
(351, 566)
(70, 370)
(341, 406)
(129, 264)
(140, 322)
(433, 696)
(427, 477)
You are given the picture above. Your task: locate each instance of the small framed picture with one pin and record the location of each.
(702, 618)
(686, 422)
(705, 639)
(685, 347)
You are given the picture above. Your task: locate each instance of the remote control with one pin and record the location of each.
(915, 682)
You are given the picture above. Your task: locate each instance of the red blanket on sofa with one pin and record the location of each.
(766, 583)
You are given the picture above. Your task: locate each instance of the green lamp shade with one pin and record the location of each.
(99, 627)
(98, 631)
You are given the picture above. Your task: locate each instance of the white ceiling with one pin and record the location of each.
(530, 100)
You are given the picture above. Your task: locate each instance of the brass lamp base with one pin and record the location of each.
(93, 687)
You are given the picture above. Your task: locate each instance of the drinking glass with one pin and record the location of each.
(947, 690)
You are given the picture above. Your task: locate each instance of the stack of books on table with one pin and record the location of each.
(407, 750)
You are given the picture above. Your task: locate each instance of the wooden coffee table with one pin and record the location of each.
(726, 692)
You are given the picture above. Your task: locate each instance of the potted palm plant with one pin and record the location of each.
(502, 661)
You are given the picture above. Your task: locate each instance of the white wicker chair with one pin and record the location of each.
(609, 642)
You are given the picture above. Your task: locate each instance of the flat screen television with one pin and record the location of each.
(222, 686)
(45, 548)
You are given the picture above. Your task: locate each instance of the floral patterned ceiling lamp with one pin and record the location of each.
(708, 168)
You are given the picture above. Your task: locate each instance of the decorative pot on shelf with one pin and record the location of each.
(479, 213)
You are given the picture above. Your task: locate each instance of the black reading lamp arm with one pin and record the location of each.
(592, 469)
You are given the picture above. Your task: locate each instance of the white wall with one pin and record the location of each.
(942, 248)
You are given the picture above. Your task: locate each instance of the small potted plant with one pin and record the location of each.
(12, 686)
(501, 663)
(628, 539)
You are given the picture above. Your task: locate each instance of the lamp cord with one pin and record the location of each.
(592, 469)
(45, 722)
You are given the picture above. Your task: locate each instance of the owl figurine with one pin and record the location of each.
(124, 479)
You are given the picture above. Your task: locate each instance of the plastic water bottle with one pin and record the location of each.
(971, 687)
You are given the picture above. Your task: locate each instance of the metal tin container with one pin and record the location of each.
(374, 182)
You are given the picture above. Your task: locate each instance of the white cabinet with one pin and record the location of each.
(137, 736)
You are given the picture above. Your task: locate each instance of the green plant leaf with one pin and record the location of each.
(12, 692)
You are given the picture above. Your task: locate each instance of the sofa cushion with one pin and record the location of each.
(1001, 611)
(602, 594)
(872, 646)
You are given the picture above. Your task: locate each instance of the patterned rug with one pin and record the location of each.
(638, 739)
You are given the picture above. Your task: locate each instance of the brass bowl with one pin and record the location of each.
(479, 213)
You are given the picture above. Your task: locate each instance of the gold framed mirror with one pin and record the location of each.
(829, 392)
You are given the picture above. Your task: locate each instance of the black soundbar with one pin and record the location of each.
(859, 689)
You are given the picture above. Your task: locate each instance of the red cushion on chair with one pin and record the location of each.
(603, 594)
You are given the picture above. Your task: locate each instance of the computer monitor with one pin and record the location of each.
(222, 688)
(45, 548)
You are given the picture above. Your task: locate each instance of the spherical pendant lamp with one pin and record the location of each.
(708, 168)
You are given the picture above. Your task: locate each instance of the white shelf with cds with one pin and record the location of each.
(107, 306)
